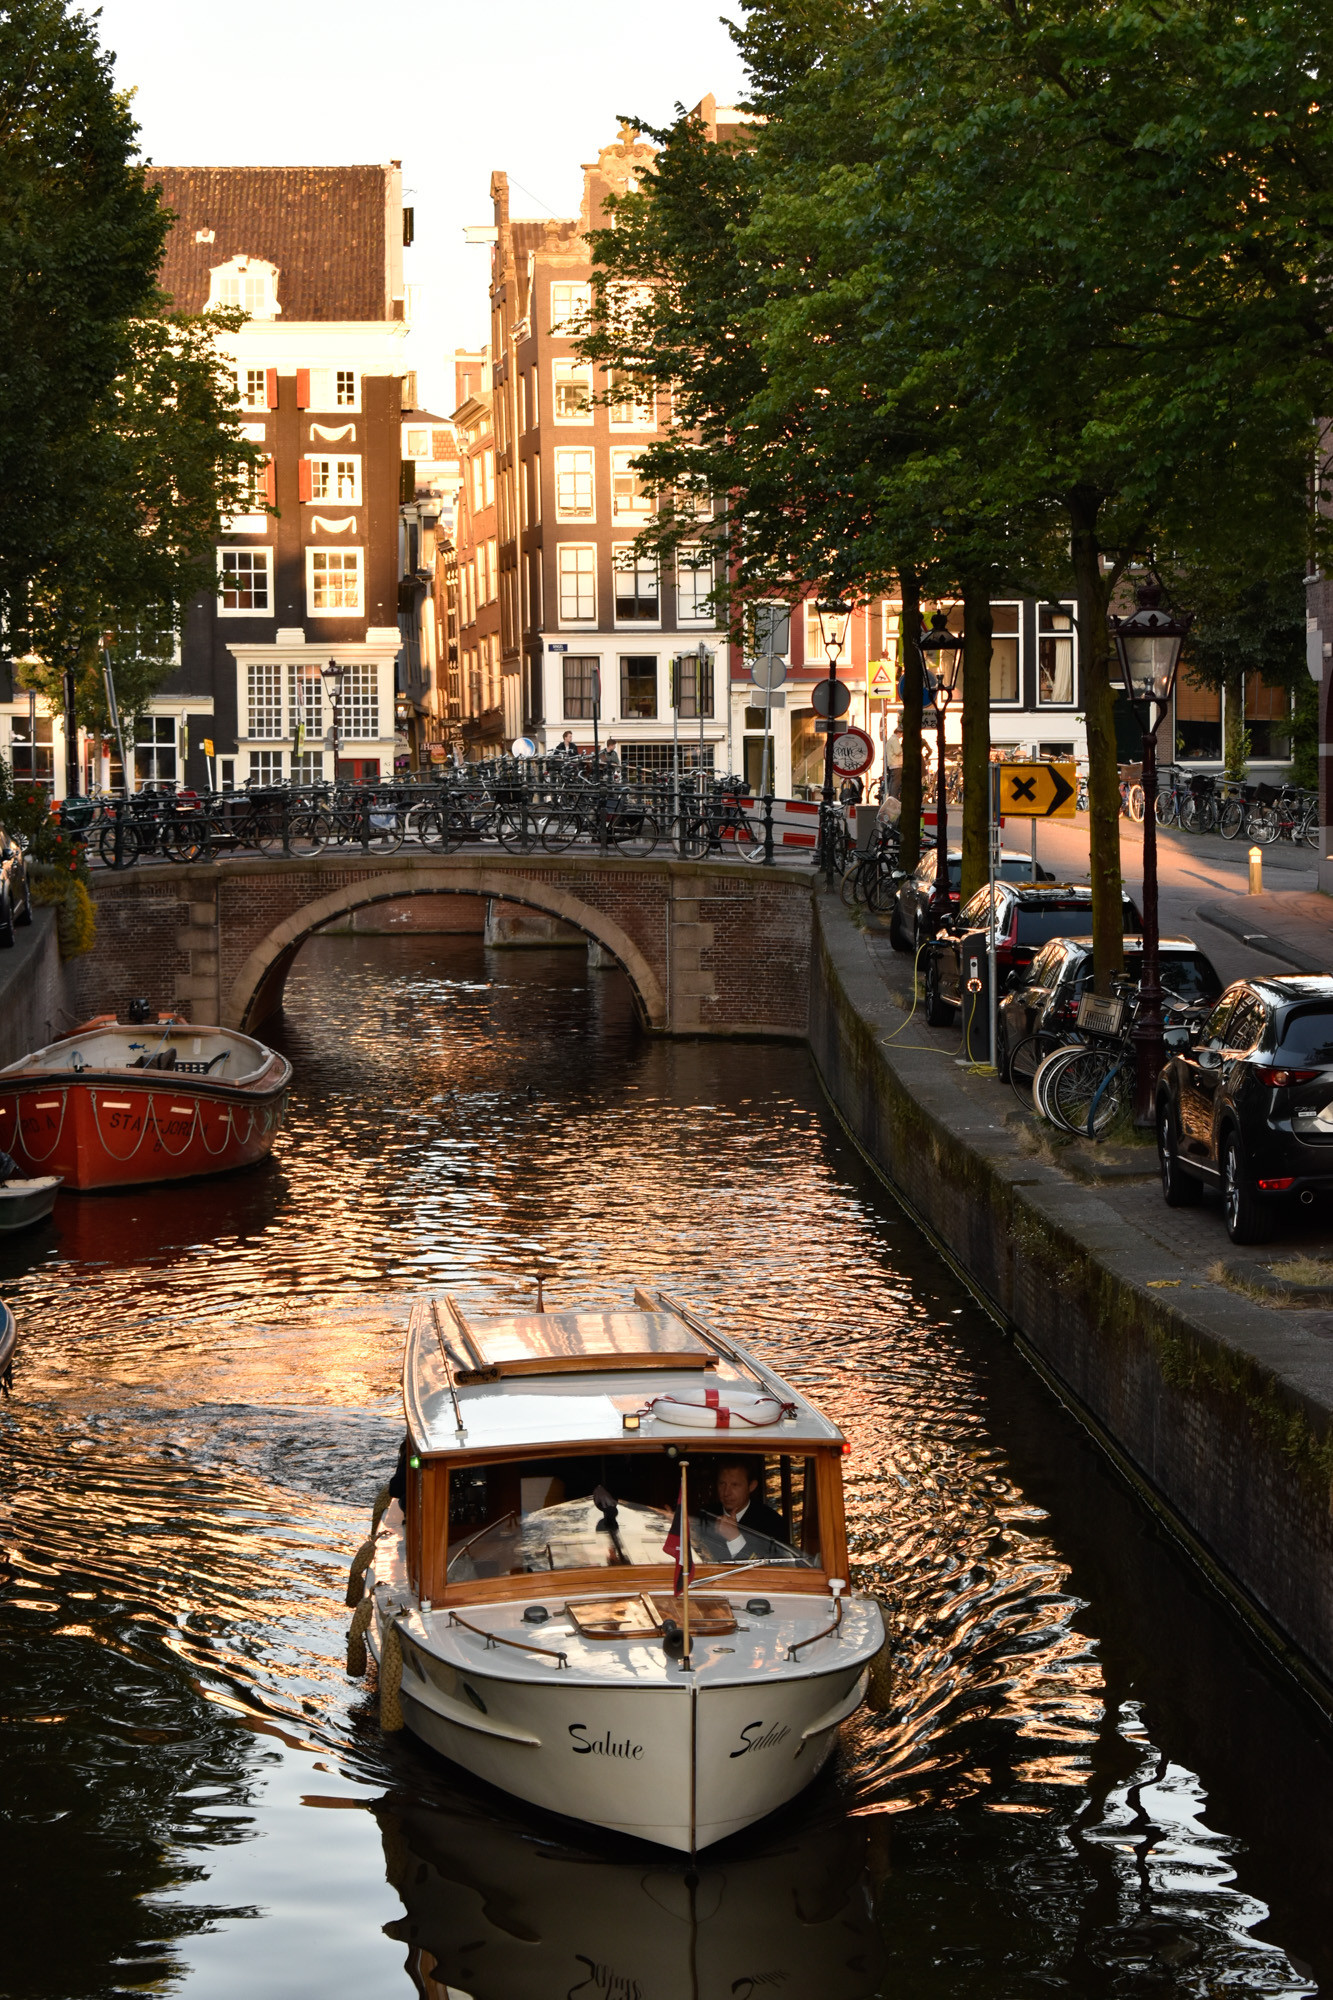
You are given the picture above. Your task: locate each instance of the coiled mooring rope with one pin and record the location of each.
(391, 1679)
(378, 1511)
(356, 1637)
(356, 1576)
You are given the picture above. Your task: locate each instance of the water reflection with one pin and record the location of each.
(1091, 1783)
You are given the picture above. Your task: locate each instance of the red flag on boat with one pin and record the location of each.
(677, 1544)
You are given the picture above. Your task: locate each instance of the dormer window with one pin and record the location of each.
(246, 282)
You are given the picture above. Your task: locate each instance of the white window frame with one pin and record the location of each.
(324, 391)
(574, 620)
(1067, 610)
(623, 562)
(264, 701)
(571, 307)
(566, 371)
(998, 701)
(254, 280)
(639, 418)
(688, 591)
(334, 458)
(346, 714)
(621, 469)
(564, 473)
(265, 767)
(243, 372)
(261, 556)
(356, 610)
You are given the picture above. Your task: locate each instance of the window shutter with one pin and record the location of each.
(271, 387)
(303, 388)
(304, 481)
(270, 482)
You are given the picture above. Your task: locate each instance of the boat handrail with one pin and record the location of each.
(797, 1644)
(775, 1387)
(498, 1639)
(479, 1363)
(460, 1427)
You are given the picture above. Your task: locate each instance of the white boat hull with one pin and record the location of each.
(628, 1740)
(23, 1204)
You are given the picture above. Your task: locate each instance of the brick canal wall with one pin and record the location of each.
(33, 1000)
(1222, 1415)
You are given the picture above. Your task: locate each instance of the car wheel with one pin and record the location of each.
(1179, 1188)
(6, 921)
(1248, 1219)
(938, 1012)
(897, 935)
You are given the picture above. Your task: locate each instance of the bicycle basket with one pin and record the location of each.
(1266, 795)
(1101, 1014)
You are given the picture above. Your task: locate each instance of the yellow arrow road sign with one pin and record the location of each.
(1036, 791)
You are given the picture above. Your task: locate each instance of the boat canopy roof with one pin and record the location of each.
(572, 1378)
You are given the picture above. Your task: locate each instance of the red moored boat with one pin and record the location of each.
(112, 1106)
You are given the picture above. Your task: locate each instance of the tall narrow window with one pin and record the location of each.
(577, 570)
(632, 403)
(1004, 677)
(155, 750)
(264, 701)
(305, 700)
(580, 692)
(573, 392)
(1055, 656)
(574, 486)
(629, 502)
(359, 710)
(694, 583)
(637, 598)
(570, 306)
(638, 686)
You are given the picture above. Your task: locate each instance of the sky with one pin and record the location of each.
(451, 90)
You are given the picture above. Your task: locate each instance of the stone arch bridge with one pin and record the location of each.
(709, 947)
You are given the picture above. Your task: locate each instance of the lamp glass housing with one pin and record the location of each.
(833, 621)
(942, 654)
(1148, 662)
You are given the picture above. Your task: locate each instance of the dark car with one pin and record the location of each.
(15, 896)
(1028, 915)
(909, 921)
(1044, 1000)
(1248, 1108)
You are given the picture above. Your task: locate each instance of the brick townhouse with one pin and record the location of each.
(313, 255)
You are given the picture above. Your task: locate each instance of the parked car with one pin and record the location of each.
(1248, 1108)
(1044, 1000)
(1027, 916)
(909, 921)
(15, 895)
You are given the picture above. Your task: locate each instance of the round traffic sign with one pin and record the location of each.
(770, 671)
(830, 697)
(523, 746)
(853, 752)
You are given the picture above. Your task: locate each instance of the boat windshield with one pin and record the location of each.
(546, 1531)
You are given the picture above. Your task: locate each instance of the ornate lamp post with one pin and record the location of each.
(333, 677)
(833, 619)
(1148, 645)
(941, 658)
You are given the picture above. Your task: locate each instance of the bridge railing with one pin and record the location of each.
(549, 804)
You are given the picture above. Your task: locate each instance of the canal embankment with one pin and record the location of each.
(33, 1002)
(1219, 1407)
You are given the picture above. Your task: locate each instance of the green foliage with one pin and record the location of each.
(26, 812)
(1305, 734)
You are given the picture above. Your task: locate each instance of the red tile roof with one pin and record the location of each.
(322, 226)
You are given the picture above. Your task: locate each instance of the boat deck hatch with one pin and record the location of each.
(643, 1617)
(552, 1343)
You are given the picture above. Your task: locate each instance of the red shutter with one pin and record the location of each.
(270, 482)
(271, 387)
(304, 484)
(303, 388)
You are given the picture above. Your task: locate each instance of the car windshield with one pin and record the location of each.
(1307, 1035)
(1040, 923)
(1184, 975)
(1014, 868)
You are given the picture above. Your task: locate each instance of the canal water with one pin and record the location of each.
(1093, 1784)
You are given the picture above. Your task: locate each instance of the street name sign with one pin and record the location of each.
(1036, 791)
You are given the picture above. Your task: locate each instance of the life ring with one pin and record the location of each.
(720, 1409)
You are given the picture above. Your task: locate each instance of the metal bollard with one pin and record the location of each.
(1256, 871)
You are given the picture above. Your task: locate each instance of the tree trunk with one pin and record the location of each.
(977, 627)
(1094, 646)
(910, 655)
(1235, 743)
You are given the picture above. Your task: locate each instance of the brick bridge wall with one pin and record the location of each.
(709, 947)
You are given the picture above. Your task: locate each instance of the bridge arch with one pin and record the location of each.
(255, 992)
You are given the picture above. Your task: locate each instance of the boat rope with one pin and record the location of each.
(174, 1153)
(378, 1511)
(228, 1127)
(391, 1678)
(356, 1637)
(356, 1577)
(120, 1158)
(38, 1159)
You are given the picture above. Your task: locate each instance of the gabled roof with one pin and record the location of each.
(326, 229)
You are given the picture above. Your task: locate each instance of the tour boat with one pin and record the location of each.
(112, 1106)
(542, 1618)
(25, 1203)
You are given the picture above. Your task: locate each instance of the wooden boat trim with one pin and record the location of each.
(623, 1582)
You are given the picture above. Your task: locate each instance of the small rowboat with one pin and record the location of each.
(112, 1106)
(542, 1615)
(9, 1335)
(23, 1204)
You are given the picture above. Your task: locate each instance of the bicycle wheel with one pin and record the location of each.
(266, 831)
(749, 835)
(1025, 1059)
(632, 831)
(1085, 1091)
(1309, 832)
(1134, 802)
(1231, 818)
(308, 832)
(118, 847)
(850, 888)
(561, 830)
(689, 837)
(186, 840)
(1263, 825)
(1168, 809)
(515, 829)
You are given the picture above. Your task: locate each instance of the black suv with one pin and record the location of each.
(910, 922)
(1044, 1000)
(1027, 916)
(15, 896)
(1249, 1106)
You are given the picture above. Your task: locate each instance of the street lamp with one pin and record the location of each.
(833, 615)
(1148, 646)
(333, 677)
(941, 658)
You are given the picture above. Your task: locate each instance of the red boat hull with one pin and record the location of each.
(103, 1131)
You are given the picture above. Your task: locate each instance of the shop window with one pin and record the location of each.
(1198, 738)
(1005, 684)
